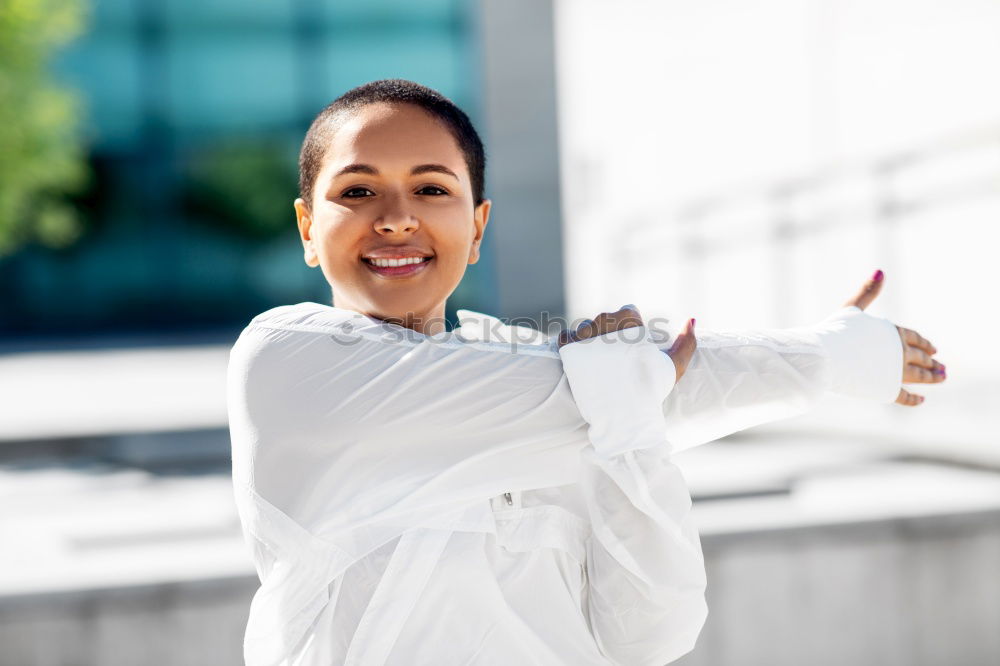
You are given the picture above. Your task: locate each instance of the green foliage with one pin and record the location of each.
(245, 186)
(41, 153)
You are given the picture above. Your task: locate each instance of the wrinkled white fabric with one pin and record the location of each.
(471, 498)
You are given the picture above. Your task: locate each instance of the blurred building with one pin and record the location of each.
(194, 115)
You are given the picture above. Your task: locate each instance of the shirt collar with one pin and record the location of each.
(482, 327)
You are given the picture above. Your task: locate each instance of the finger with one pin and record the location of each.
(629, 307)
(586, 329)
(566, 336)
(915, 374)
(690, 341)
(628, 316)
(608, 322)
(602, 323)
(683, 348)
(919, 374)
(913, 338)
(917, 356)
(686, 337)
(868, 291)
(909, 399)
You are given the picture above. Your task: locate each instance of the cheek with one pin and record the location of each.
(459, 246)
(339, 236)
(457, 231)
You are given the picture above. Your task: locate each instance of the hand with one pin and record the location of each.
(626, 317)
(918, 366)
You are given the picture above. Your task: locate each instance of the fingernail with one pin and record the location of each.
(878, 275)
(630, 306)
(692, 322)
(939, 371)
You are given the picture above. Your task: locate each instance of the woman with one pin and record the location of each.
(413, 495)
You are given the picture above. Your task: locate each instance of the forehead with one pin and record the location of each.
(393, 136)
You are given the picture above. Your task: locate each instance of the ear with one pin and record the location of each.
(481, 215)
(304, 218)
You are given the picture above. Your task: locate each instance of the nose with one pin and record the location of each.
(396, 218)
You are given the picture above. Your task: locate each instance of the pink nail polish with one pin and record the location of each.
(878, 275)
(692, 322)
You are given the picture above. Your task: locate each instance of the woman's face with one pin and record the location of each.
(394, 189)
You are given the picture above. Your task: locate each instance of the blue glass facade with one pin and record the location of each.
(194, 116)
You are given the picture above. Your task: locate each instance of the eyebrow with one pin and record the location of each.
(415, 171)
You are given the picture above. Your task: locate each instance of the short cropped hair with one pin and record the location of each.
(328, 120)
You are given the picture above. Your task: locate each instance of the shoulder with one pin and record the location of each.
(303, 324)
(305, 317)
(289, 339)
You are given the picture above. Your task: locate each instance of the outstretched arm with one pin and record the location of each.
(742, 378)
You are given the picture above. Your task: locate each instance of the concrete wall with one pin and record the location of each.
(176, 624)
(913, 592)
(907, 592)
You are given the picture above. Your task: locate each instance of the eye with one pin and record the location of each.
(347, 193)
(439, 192)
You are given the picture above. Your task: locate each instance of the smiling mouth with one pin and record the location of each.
(397, 267)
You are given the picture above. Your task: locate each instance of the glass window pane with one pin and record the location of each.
(227, 14)
(430, 58)
(103, 68)
(230, 81)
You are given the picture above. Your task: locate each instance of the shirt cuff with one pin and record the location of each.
(866, 354)
(619, 381)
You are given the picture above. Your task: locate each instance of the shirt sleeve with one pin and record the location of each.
(742, 378)
(645, 569)
(336, 427)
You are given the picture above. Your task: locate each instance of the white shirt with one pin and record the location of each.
(472, 498)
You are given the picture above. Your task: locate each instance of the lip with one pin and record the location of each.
(393, 272)
(397, 252)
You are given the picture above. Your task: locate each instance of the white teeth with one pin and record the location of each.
(398, 262)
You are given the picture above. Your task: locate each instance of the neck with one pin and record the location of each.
(428, 323)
